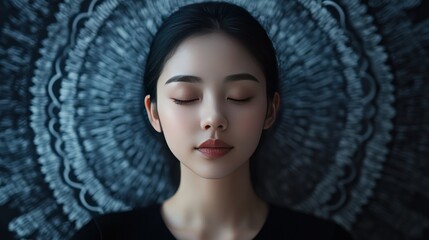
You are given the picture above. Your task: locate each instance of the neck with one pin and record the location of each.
(226, 201)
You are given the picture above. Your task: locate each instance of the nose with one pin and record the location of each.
(213, 118)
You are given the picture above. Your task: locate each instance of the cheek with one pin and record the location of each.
(251, 115)
(248, 123)
(175, 120)
(179, 128)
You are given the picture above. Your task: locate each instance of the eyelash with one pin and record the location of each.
(184, 102)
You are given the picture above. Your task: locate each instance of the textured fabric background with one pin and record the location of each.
(351, 143)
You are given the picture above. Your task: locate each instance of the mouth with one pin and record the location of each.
(214, 143)
(215, 152)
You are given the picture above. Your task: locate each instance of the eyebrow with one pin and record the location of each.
(195, 79)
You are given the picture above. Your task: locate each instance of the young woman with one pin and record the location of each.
(212, 90)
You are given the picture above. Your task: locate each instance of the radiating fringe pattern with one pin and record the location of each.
(397, 209)
(350, 143)
(23, 186)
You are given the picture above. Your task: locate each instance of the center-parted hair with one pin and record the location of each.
(208, 17)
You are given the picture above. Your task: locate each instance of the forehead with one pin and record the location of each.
(212, 56)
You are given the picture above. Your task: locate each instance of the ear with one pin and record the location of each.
(152, 113)
(272, 111)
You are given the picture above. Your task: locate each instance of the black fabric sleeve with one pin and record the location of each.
(341, 233)
(90, 230)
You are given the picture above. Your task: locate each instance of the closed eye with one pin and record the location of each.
(184, 102)
(240, 100)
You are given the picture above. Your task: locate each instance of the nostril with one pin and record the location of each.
(208, 126)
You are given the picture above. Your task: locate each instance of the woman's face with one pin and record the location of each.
(206, 64)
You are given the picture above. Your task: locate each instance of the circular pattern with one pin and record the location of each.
(94, 148)
(100, 102)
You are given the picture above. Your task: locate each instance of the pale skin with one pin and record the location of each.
(215, 198)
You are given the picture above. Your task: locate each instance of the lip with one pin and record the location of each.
(214, 143)
(214, 152)
(214, 148)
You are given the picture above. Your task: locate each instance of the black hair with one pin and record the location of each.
(207, 17)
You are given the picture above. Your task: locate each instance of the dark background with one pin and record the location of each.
(48, 190)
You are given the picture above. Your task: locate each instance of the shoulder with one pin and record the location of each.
(131, 224)
(299, 225)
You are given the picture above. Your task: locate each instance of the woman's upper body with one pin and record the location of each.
(148, 223)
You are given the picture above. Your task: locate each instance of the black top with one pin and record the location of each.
(147, 223)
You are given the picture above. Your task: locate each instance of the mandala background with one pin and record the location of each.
(351, 143)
